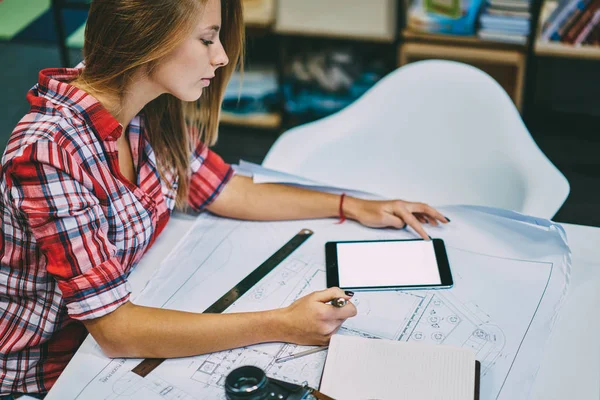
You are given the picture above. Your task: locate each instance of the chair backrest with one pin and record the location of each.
(440, 132)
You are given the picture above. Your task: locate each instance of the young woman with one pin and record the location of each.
(91, 174)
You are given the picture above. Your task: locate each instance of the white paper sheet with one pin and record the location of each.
(261, 174)
(510, 273)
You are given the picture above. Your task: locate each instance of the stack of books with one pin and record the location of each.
(505, 21)
(574, 22)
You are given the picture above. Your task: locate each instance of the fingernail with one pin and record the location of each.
(349, 293)
(430, 238)
(447, 218)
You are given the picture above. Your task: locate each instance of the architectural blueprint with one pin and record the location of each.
(510, 276)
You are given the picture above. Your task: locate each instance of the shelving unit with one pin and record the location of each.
(264, 121)
(546, 48)
(295, 24)
(376, 22)
(503, 61)
(551, 49)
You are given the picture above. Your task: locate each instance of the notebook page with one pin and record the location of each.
(360, 368)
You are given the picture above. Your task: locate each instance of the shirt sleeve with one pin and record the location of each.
(209, 176)
(61, 208)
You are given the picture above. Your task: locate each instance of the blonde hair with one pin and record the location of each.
(121, 36)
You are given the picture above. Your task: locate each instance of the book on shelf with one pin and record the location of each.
(584, 19)
(568, 23)
(506, 21)
(553, 9)
(561, 17)
(508, 13)
(510, 23)
(587, 30)
(509, 5)
(593, 38)
(501, 36)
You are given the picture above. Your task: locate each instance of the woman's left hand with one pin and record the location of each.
(393, 213)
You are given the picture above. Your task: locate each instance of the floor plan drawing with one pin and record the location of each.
(486, 310)
(132, 386)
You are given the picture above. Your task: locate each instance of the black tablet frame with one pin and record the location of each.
(440, 255)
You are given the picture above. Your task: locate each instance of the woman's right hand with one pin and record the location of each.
(310, 321)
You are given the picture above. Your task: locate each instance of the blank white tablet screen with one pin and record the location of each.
(373, 264)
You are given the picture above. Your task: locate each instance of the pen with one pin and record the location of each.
(339, 302)
(301, 354)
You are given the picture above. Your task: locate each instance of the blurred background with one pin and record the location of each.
(307, 59)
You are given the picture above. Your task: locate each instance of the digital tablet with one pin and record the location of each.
(388, 265)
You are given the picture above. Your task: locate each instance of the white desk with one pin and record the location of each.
(571, 367)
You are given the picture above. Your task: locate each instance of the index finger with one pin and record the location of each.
(327, 295)
(341, 313)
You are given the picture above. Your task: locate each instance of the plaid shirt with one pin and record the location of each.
(73, 227)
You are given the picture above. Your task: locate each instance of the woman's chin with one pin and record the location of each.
(191, 96)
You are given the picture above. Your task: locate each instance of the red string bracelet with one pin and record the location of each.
(342, 216)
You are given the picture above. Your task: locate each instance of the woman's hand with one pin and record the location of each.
(393, 213)
(310, 321)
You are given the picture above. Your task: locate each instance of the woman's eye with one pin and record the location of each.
(206, 42)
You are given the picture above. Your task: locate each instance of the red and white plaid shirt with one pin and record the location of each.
(73, 227)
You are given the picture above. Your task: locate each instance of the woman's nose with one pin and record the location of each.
(220, 59)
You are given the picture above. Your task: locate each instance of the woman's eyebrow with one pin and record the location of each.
(213, 28)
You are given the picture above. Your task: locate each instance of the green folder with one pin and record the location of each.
(450, 8)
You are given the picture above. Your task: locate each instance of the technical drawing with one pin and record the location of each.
(132, 386)
(385, 314)
(277, 280)
(444, 321)
(460, 316)
(215, 368)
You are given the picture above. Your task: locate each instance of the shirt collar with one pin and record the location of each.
(53, 85)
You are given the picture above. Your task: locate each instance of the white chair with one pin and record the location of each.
(440, 132)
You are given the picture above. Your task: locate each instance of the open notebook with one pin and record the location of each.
(360, 368)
